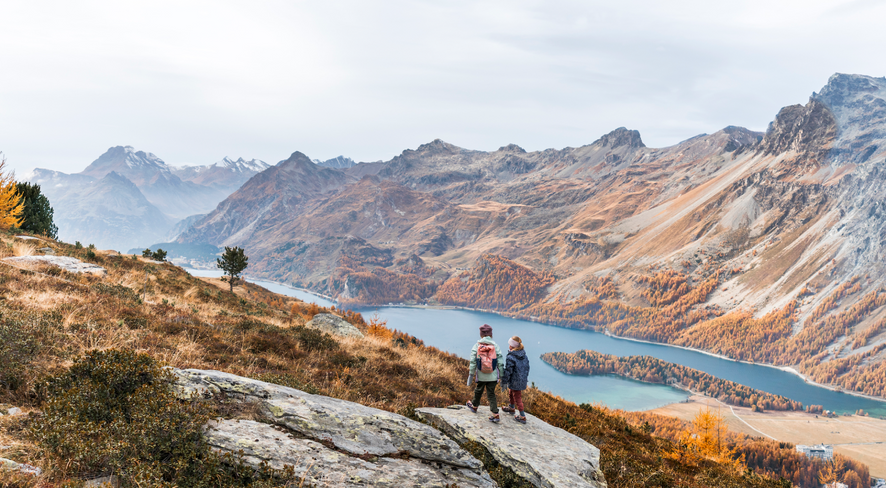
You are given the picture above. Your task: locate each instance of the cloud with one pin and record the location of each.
(195, 81)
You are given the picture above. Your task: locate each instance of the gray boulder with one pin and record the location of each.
(544, 455)
(350, 427)
(24, 468)
(334, 324)
(320, 466)
(66, 263)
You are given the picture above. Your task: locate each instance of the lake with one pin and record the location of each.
(456, 331)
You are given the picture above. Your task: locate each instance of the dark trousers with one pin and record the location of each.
(490, 393)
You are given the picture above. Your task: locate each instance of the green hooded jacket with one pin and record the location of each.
(493, 376)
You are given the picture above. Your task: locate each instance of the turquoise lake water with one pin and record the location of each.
(456, 331)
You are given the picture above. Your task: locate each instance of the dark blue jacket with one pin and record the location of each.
(516, 373)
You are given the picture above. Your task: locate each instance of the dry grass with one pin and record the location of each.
(21, 248)
(189, 322)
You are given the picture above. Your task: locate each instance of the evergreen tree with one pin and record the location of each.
(11, 206)
(232, 262)
(37, 215)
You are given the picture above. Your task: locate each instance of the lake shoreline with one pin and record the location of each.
(786, 369)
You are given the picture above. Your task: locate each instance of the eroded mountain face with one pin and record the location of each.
(796, 211)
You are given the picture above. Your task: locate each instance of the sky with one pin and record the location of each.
(193, 82)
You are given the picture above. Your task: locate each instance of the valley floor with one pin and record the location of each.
(859, 438)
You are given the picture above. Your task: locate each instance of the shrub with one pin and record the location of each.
(313, 339)
(119, 291)
(115, 412)
(18, 346)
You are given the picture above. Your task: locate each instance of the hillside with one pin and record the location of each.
(49, 318)
(755, 233)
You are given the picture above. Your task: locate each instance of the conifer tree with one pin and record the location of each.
(37, 214)
(232, 262)
(11, 206)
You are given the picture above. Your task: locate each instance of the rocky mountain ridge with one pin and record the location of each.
(781, 217)
(339, 162)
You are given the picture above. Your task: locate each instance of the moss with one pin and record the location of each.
(503, 475)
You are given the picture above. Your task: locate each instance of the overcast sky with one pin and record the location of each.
(193, 82)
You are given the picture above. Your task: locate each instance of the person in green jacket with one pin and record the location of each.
(483, 351)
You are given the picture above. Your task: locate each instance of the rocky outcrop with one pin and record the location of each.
(72, 265)
(332, 442)
(544, 455)
(334, 324)
(350, 427)
(319, 465)
(24, 468)
(621, 137)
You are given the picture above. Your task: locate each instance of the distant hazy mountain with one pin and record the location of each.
(158, 194)
(340, 162)
(109, 212)
(156, 180)
(227, 174)
(183, 225)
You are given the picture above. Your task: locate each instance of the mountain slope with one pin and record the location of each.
(109, 212)
(267, 199)
(763, 230)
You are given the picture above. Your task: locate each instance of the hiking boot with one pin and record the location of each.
(471, 407)
(508, 409)
(520, 418)
(495, 418)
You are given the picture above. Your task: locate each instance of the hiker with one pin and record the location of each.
(515, 377)
(486, 369)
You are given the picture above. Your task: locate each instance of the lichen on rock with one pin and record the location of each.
(543, 455)
(319, 465)
(350, 427)
(334, 324)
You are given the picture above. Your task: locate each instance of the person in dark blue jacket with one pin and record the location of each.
(515, 377)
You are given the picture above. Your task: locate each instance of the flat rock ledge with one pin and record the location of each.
(66, 263)
(542, 454)
(335, 325)
(351, 429)
(320, 466)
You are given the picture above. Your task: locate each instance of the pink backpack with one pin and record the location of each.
(486, 358)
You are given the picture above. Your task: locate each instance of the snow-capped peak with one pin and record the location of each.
(238, 165)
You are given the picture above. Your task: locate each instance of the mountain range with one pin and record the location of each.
(761, 246)
(781, 234)
(128, 198)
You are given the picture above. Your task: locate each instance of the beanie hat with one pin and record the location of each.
(485, 330)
